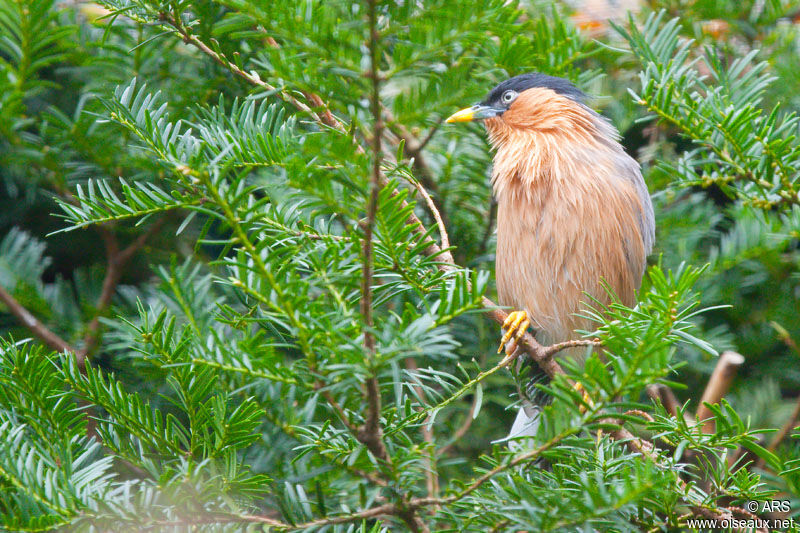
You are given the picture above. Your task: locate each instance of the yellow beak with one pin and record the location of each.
(476, 112)
(465, 115)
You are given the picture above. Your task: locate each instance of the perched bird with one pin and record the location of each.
(573, 211)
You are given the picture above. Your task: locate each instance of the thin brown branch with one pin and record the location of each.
(371, 433)
(462, 429)
(664, 394)
(435, 212)
(424, 174)
(431, 474)
(413, 149)
(374, 186)
(389, 509)
(553, 349)
(338, 409)
(787, 428)
(480, 480)
(718, 385)
(39, 330)
(116, 260)
(640, 414)
(425, 140)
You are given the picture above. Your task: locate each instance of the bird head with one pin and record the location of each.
(542, 131)
(531, 103)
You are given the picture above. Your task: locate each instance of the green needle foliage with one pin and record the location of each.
(262, 301)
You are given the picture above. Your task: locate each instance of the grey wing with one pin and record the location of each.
(647, 221)
(629, 168)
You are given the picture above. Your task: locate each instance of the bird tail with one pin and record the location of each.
(525, 426)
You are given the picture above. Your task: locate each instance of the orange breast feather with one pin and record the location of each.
(571, 212)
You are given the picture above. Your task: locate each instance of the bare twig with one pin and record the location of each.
(431, 474)
(788, 426)
(436, 214)
(640, 414)
(116, 260)
(555, 348)
(718, 385)
(414, 150)
(42, 332)
(462, 429)
(665, 395)
(338, 409)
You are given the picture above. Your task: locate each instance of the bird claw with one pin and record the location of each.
(514, 327)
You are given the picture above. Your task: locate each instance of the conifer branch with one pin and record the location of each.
(542, 355)
(26, 318)
(251, 77)
(307, 291)
(409, 506)
(371, 433)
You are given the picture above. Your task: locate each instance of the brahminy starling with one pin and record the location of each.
(573, 212)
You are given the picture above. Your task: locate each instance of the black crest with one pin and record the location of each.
(535, 79)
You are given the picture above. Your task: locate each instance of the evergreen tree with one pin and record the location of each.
(266, 298)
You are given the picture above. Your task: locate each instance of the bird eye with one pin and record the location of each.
(508, 96)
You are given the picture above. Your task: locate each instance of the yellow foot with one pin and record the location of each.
(514, 328)
(586, 398)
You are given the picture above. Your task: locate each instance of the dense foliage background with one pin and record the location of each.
(222, 303)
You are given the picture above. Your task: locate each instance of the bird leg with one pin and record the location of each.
(586, 398)
(588, 401)
(514, 327)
